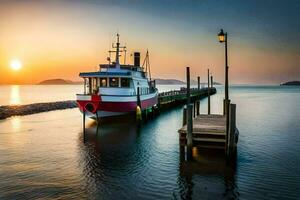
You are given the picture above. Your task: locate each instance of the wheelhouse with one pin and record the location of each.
(93, 84)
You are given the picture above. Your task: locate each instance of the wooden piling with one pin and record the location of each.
(227, 103)
(139, 111)
(208, 103)
(138, 97)
(188, 91)
(198, 82)
(182, 147)
(189, 134)
(211, 81)
(224, 106)
(184, 115)
(232, 127)
(194, 109)
(198, 107)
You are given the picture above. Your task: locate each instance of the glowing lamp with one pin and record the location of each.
(221, 36)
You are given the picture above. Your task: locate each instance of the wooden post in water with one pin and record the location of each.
(189, 132)
(138, 97)
(208, 93)
(181, 147)
(184, 116)
(138, 107)
(198, 107)
(188, 91)
(83, 125)
(211, 81)
(227, 103)
(232, 127)
(194, 109)
(224, 106)
(189, 117)
(198, 82)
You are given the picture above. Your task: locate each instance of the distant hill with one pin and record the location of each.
(194, 82)
(56, 82)
(291, 83)
(178, 82)
(168, 82)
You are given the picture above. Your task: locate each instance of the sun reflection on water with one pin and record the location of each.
(15, 95)
(16, 123)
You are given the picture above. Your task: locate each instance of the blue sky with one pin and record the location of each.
(263, 35)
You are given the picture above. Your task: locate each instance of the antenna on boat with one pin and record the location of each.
(109, 56)
(117, 51)
(125, 54)
(148, 64)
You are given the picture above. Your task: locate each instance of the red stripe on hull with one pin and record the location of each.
(116, 106)
(126, 106)
(95, 102)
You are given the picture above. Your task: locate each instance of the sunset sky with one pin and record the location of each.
(59, 39)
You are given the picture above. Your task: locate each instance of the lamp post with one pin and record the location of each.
(223, 38)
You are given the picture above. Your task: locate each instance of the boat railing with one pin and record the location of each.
(182, 91)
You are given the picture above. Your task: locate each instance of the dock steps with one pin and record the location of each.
(208, 132)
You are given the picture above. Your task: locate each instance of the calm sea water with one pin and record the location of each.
(44, 156)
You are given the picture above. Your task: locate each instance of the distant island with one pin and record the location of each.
(168, 82)
(178, 82)
(57, 82)
(291, 83)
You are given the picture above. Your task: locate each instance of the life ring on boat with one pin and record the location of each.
(90, 107)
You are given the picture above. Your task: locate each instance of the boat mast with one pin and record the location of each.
(118, 51)
(147, 63)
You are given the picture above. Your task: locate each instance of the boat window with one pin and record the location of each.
(103, 82)
(125, 82)
(90, 86)
(114, 82)
(94, 86)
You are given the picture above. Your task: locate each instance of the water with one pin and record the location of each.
(44, 156)
(26, 94)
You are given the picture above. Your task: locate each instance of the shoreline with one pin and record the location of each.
(28, 109)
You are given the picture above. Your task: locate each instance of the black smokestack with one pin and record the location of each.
(137, 57)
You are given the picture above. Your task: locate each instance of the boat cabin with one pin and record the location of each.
(118, 79)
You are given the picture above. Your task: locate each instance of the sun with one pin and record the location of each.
(16, 64)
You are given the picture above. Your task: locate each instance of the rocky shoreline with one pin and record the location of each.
(14, 110)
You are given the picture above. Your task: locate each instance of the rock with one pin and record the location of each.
(9, 111)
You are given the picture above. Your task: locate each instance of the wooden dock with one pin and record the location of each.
(209, 131)
(178, 97)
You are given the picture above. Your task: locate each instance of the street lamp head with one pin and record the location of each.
(221, 36)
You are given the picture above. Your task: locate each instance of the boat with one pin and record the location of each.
(118, 89)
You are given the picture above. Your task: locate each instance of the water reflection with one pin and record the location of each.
(121, 161)
(16, 123)
(208, 176)
(110, 159)
(15, 95)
